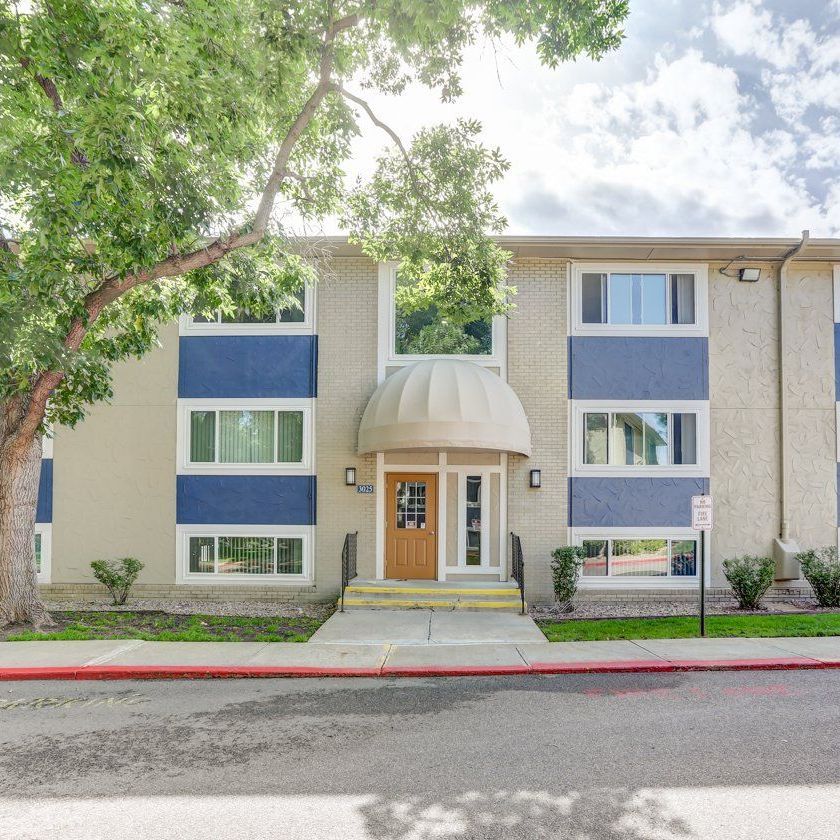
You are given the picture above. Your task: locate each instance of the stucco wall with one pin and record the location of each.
(743, 380)
(346, 326)
(540, 379)
(114, 490)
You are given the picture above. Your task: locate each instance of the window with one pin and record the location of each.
(639, 439)
(423, 332)
(293, 314)
(38, 552)
(640, 558)
(244, 555)
(639, 299)
(473, 520)
(246, 436)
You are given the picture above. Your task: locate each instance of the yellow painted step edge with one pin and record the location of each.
(488, 605)
(414, 590)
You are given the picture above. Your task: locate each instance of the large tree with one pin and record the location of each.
(146, 144)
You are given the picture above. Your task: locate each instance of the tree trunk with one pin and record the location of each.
(20, 472)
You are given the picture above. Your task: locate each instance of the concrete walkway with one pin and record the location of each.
(139, 660)
(427, 627)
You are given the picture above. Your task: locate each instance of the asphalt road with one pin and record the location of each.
(623, 757)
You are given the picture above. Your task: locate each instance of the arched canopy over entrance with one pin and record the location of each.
(444, 404)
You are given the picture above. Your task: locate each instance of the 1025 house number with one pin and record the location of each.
(364, 488)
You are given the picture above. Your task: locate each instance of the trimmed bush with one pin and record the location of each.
(565, 569)
(117, 575)
(821, 568)
(750, 577)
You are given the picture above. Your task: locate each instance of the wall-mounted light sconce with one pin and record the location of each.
(535, 478)
(749, 275)
(349, 476)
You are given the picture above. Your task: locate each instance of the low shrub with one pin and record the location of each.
(750, 577)
(821, 568)
(565, 569)
(117, 575)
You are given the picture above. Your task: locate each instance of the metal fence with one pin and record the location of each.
(517, 566)
(348, 562)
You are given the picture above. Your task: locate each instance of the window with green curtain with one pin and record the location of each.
(246, 437)
(202, 437)
(290, 436)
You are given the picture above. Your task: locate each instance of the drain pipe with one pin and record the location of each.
(784, 548)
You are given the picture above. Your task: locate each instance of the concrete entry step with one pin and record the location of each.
(431, 594)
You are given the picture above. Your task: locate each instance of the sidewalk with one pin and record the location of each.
(103, 660)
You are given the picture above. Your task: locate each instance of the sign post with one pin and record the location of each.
(701, 520)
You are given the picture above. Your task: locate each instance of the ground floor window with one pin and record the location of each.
(642, 557)
(242, 553)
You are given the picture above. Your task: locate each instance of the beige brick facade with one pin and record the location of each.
(538, 372)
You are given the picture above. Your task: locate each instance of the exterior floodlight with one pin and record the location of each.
(749, 275)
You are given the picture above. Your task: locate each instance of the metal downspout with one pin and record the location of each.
(784, 531)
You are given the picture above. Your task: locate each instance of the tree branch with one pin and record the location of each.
(176, 265)
(51, 92)
(340, 89)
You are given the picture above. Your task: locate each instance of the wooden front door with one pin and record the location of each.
(411, 526)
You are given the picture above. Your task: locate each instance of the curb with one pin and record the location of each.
(193, 672)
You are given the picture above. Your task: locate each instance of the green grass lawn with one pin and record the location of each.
(165, 627)
(684, 627)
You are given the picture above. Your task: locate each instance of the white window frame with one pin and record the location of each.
(579, 408)
(187, 326)
(484, 536)
(45, 530)
(701, 299)
(306, 533)
(187, 467)
(578, 535)
(388, 357)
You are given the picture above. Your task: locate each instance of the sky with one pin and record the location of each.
(714, 118)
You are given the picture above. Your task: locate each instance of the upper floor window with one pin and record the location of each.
(256, 435)
(405, 336)
(644, 437)
(649, 438)
(297, 317)
(626, 300)
(423, 332)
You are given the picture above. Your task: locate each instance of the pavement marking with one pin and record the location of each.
(63, 702)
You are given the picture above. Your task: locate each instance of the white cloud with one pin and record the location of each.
(746, 28)
(671, 153)
(662, 137)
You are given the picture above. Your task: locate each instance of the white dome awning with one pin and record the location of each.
(444, 404)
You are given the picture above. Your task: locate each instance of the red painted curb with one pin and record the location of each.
(163, 672)
(453, 670)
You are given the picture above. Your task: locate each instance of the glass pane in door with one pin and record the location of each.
(411, 504)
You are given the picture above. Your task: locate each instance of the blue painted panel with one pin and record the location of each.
(246, 499)
(638, 368)
(248, 366)
(632, 502)
(43, 512)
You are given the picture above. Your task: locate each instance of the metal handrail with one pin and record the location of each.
(517, 566)
(348, 563)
